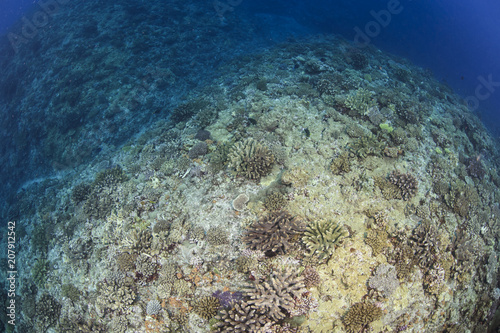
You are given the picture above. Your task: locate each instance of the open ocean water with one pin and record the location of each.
(250, 166)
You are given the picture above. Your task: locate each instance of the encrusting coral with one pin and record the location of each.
(321, 236)
(274, 233)
(250, 159)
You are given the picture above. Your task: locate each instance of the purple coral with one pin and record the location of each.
(226, 297)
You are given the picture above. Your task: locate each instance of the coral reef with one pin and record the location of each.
(321, 237)
(250, 159)
(310, 125)
(274, 233)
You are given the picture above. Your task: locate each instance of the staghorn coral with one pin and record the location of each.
(405, 182)
(250, 159)
(402, 257)
(161, 226)
(244, 264)
(276, 295)
(80, 192)
(39, 272)
(241, 318)
(320, 237)
(207, 307)
(359, 316)
(145, 267)
(274, 233)
(434, 279)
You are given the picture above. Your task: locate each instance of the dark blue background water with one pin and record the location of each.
(459, 40)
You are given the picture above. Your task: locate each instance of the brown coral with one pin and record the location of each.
(377, 240)
(311, 277)
(251, 159)
(406, 183)
(241, 317)
(207, 307)
(359, 316)
(274, 233)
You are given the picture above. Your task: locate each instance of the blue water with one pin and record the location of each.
(459, 40)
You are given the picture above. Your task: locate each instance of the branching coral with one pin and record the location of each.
(274, 233)
(359, 316)
(367, 145)
(321, 237)
(276, 296)
(47, 312)
(251, 159)
(115, 294)
(406, 183)
(207, 307)
(241, 317)
(425, 241)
